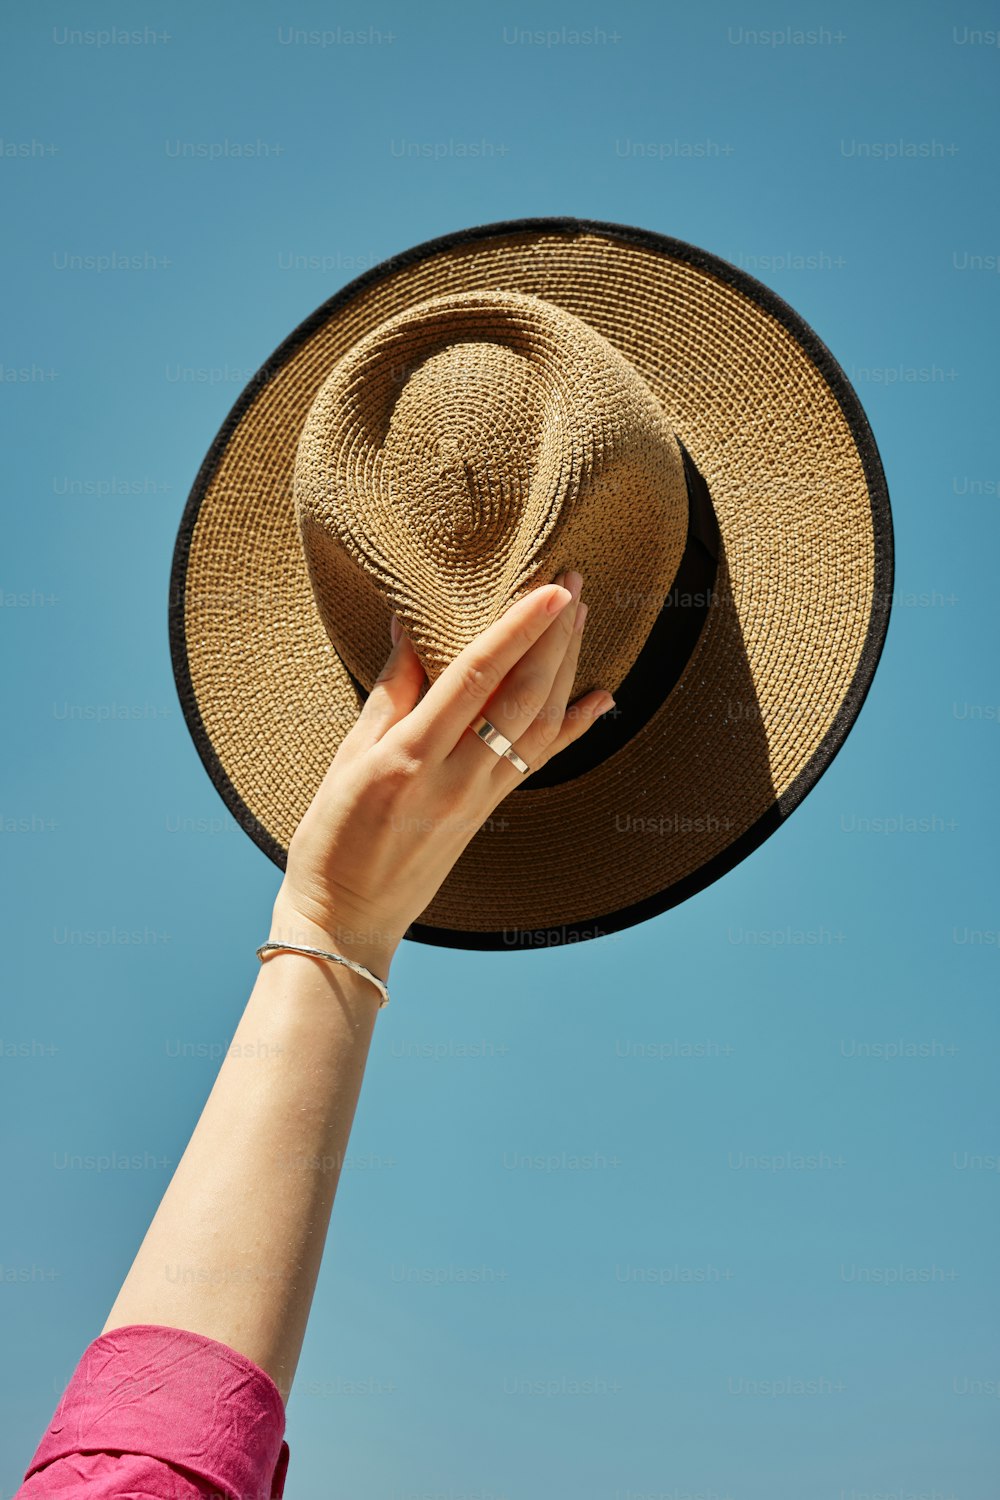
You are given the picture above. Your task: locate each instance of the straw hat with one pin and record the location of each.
(453, 429)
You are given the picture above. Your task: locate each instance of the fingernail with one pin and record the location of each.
(394, 629)
(605, 704)
(559, 601)
(581, 615)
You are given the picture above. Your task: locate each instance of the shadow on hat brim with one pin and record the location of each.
(780, 670)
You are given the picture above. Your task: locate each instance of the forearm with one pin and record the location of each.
(234, 1249)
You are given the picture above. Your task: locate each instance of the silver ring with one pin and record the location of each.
(490, 735)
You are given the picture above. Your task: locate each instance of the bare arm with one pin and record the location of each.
(234, 1249)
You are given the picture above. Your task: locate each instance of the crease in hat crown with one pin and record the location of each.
(465, 451)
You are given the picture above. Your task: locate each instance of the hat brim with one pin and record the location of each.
(781, 668)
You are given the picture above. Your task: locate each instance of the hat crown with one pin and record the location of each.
(464, 452)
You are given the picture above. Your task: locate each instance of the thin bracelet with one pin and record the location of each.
(337, 959)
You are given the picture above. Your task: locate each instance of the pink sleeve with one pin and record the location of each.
(162, 1411)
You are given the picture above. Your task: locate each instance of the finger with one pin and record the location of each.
(458, 696)
(530, 706)
(535, 738)
(526, 692)
(394, 693)
(577, 720)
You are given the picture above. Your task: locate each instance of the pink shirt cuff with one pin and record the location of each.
(170, 1395)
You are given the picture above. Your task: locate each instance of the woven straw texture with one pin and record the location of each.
(458, 455)
(449, 463)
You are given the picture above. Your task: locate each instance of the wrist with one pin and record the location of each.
(292, 922)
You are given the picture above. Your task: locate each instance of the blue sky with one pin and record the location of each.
(778, 1273)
